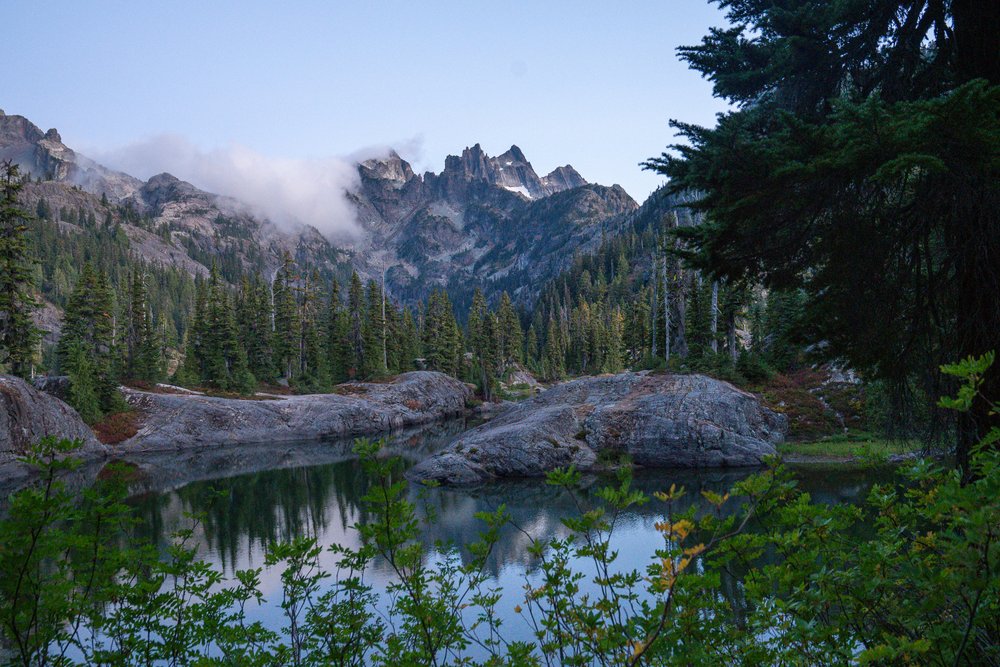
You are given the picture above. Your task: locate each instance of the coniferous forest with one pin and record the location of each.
(806, 471)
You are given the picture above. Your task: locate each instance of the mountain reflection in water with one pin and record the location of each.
(240, 514)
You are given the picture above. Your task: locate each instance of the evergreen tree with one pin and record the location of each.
(355, 327)
(783, 322)
(531, 348)
(141, 344)
(614, 359)
(190, 373)
(89, 333)
(313, 363)
(510, 337)
(394, 337)
(442, 341)
(481, 344)
(553, 360)
(409, 341)
(214, 355)
(18, 335)
(287, 324)
(374, 333)
(884, 119)
(82, 384)
(253, 315)
(224, 362)
(336, 335)
(42, 210)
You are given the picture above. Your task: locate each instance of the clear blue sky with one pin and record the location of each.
(587, 83)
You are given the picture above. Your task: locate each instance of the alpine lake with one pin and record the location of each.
(241, 500)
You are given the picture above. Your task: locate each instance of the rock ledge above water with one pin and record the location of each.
(658, 419)
(176, 421)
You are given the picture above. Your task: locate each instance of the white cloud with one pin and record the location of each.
(287, 191)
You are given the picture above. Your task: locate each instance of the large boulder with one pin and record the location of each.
(658, 419)
(27, 415)
(183, 421)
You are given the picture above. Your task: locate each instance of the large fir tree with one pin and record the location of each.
(87, 346)
(18, 335)
(287, 322)
(374, 332)
(859, 164)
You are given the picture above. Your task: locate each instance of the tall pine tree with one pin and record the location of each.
(18, 335)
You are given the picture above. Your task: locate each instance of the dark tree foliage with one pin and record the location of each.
(87, 348)
(18, 335)
(143, 344)
(253, 315)
(442, 339)
(287, 320)
(374, 332)
(355, 326)
(214, 354)
(860, 165)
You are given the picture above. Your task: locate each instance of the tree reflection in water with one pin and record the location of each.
(243, 513)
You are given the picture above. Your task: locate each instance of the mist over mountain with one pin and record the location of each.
(483, 221)
(289, 192)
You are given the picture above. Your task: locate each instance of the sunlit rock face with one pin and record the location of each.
(657, 419)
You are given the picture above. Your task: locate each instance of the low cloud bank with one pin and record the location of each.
(289, 192)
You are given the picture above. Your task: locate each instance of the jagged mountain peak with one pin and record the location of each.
(563, 178)
(45, 156)
(388, 168)
(484, 221)
(163, 178)
(16, 129)
(511, 171)
(513, 154)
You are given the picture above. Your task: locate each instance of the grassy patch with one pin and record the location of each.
(117, 427)
(856, 445)
(800, 395)
(516, 393)
(612, 459)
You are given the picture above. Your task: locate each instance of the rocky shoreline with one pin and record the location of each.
(652, 419)
(195, 423)
(184, 421)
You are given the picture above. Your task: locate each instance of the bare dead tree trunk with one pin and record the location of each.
(666, 309)
(682, 283)
(715, 317)
(731, 334)
(653, 312)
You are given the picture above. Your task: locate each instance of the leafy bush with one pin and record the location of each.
(912, 577)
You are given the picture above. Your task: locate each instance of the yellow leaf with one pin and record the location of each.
(695, 550)
(682, 528)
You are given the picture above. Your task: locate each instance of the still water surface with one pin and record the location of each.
(250, 499)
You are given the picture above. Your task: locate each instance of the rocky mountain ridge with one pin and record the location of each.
(484, 221)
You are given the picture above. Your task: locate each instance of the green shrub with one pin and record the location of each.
(920, 585)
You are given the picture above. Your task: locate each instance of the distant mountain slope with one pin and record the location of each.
(488, 222)
(483, 221)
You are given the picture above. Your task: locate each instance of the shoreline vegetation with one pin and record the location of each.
(917, 561)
